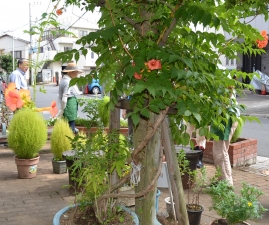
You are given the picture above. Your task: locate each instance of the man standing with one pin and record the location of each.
(18, 76)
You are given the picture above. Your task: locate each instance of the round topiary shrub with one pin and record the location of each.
(59, 140)
(27, 133)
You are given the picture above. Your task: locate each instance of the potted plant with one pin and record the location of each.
(27, 135)
(60, 141)
(198, 180)
(97, 112)
(187, 160)
(235, 208)
(101, 155)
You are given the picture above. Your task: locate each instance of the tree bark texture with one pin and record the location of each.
(114, 124)
(149, 158)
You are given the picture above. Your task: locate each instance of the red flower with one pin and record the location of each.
(59, 12)
(137, 76)
(263, 43)
(13, 100)
(154, 64)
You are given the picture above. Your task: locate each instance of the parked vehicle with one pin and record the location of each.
(94, 87)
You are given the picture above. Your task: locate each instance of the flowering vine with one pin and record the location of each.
(152, 64)
(263, 43)
(22, 99)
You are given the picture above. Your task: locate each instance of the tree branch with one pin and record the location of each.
(139, 194)
(150, 133)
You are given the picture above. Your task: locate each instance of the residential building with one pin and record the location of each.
(51, 44)
(250, 62)
(10, 45)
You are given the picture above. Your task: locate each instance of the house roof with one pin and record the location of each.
(17, 39)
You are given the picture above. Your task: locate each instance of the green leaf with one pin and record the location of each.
(77, 56)
(197, 16)
(135, 118)
(206, 20)
(145, 112)
(173, 58)
(139, 87)
(187, 113)
(154, 108)
(84, 52)
(197, 116)
(178, 74)
(188, 62)
(152, 91)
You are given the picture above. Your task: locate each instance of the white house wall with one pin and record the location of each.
(6, 46)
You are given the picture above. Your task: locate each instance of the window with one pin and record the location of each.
(67, 48)
(92, 55)
(83, 33)
(41, 50)
(227, 61)
(232, 62)
(17, 55)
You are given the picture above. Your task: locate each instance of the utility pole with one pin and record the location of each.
(31, 49)
(13, 51)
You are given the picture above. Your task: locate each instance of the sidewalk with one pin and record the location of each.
(35, 201)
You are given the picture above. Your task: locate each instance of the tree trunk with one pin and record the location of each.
(174, 174)
(149, 158)
(114, 125)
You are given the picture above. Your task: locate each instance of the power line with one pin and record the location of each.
(65, 29)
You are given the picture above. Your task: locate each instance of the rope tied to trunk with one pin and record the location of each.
(135, 173)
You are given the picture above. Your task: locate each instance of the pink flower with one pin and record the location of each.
(154, 64)
(137, 76)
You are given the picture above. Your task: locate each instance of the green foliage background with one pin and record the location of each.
(6, 62)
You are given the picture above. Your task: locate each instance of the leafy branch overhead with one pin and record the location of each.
(187, 37)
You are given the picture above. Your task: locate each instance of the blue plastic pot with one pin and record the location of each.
(56, 219)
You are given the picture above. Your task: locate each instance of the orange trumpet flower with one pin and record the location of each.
(13, 100)
(52, 109)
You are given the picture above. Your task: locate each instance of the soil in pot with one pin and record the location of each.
(74, 216)
(194, 213)
(224, 222)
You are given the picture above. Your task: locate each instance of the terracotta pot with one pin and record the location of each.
(224, 222)
(27, 167)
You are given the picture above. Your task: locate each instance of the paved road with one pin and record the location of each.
(45, 99)
(259, 131)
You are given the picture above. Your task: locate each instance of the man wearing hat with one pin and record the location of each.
(67, 95)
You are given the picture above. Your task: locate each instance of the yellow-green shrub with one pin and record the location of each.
(59, 138)
(27, 133)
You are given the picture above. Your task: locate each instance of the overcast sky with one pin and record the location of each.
(15, 15)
